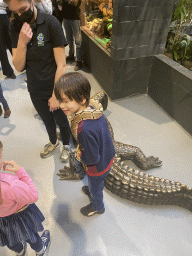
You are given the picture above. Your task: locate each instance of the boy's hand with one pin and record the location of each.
(78, 152)
(14, 167)
(53, 104)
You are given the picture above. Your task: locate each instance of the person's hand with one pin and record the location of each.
(14, 166)
(60, 7)
(53, 104)
(25, 34)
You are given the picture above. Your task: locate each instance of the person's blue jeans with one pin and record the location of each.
(73, 32)
(37, 246)
(96, 186)
(2, 99)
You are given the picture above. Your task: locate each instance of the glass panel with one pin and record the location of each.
(98, 20)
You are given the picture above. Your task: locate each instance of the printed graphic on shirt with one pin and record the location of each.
(40, 39)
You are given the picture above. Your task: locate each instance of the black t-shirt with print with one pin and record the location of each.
(40, 62)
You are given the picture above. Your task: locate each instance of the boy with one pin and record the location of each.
(89, 127)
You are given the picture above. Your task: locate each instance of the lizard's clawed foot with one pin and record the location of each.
(67, 174)
(153, 162)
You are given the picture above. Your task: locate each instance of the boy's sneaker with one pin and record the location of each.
(22, 253)
(64, 155)
(70, 58)
(46, 240)
(48, 149)
(85, 190)
(89, 210)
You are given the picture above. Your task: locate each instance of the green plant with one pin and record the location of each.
(183, 12)
(181, 48)
(186, 48)
(178, 44)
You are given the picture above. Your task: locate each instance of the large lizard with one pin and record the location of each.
(131, 184)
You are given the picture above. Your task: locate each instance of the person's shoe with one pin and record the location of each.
(1, 111)
(13, 76)
(70, 58)
(85, 190)
(22, 253)
(89, 210)
(78, 66)
(64, 155)
(48, 149)
(25, 79)
(7, 112)
(46, 241)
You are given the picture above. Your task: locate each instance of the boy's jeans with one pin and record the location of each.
(2, 99)
(73, 31)
(96, 186)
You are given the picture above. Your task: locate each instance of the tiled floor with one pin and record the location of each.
(126, 228)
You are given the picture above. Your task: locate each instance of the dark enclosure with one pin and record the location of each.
(139, 32)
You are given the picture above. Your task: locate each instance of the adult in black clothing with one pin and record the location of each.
(57, 10)
(5, 42)
(71, 14)
(38, 46)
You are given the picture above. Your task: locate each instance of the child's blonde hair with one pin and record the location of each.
(1, 200)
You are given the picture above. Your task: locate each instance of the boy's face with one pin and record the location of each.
(71, 107)
(1, 158)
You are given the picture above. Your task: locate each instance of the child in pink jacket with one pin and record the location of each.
(20, 218)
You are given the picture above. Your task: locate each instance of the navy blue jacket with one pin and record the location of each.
(97, 146)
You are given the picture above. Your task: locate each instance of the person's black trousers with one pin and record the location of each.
(50, 120)
(5, 43)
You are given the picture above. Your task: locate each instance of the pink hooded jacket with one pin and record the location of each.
(16, 191)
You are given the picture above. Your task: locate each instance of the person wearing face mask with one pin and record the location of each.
(5, 42)
(39, 47)
(44, 6)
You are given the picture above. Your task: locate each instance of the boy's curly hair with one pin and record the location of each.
(1, 144)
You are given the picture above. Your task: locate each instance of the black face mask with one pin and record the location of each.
(26, 16)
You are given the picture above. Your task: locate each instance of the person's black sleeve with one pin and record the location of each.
(56, 33)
